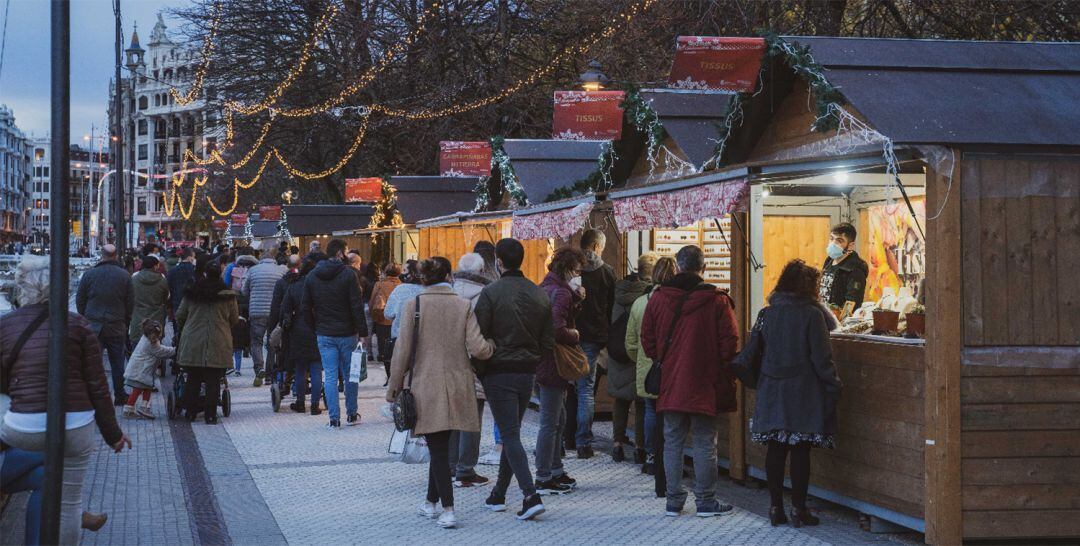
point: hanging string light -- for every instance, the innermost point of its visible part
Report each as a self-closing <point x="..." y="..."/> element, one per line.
<point x="337" y="167"/>
<point x="200" y="72"/>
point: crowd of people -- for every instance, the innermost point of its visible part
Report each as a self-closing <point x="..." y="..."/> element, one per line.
<point x="458" y="338"/>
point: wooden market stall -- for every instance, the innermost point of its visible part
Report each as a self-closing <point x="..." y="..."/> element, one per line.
<point x="971" y="433"/>
<point x="454" y="235"/>
<point x="309" y="223"/>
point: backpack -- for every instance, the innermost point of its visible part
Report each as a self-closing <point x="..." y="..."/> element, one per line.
<point x="616" y="343"/>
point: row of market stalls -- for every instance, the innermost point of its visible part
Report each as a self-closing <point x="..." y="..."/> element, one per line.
<point x="959" y="164"/>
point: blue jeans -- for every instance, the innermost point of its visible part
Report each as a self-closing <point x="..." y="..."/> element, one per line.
<point x="303" y="370"/>
<point x="549" y="440"/>
<point x="237" y="358"/>
<point x="25" y="471"/>
<point x="336" y="355"/>
<point x="586" y="401"/>
<point x="116" y="346"/>
<point x="650" y="424"/>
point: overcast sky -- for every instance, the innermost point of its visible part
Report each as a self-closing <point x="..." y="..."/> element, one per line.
<point x="24" y="83"/>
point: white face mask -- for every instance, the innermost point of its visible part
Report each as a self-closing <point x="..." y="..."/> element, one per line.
<point x="575" y="283"/>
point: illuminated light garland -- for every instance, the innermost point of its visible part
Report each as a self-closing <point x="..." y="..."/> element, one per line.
<point x="386" y="213"/>
<point x="530" y="80"/>
<point x="216" y="158"/>
<point x="368" y="76"/>
<point x="340" y="164"/>
<point x="200" y="73"/>
<point x="305" y="55"/>
<point x="237" y="184"/>
<point x="176" y="201"/>
<point x="235" y="201"/>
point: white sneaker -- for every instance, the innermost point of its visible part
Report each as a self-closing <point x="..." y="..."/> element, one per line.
<point x="491" y="458"/>
<point x="447" y="520"/>
<point x="427" y="509"/>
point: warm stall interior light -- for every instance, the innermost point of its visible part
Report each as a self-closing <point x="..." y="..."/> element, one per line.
<point x="765" y="192"/>
<point x="840" y="177"/>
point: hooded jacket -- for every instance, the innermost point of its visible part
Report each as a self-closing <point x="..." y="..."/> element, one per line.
<point x="565" y="306"/>
<point x="516" y="315"/>
<point x="798" y="388"/>
<point x="599" y="281"/>
<point x="151" y="296"/>
<point x="258" y="286"/>
<point x="627" y="291"/>
<point x="696" y="376"/>
<point x="469" y="285"/>
<point x="104" y="297"/>
<point x="332" y="300"/>
<point x="206" y="319"/>
<point x="299" y="342"/>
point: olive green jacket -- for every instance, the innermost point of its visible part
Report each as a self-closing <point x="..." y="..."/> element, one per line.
<point x="151" y="296"/>
<point x="633" y="344"/>
<point x="206" y="330"/>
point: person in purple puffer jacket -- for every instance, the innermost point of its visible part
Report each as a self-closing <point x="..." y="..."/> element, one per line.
<point x="566" y="264"/>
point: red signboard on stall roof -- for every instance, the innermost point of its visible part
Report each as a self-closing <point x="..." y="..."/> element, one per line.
<point x="712" y="62"/>
<point x="464" y="158"/>
<point x="221" y="225"/>
<point x="239" y="219"/>
<point x="358" y="190"/>
<point x="270" y="212"/>
<point x="588" y="115"/>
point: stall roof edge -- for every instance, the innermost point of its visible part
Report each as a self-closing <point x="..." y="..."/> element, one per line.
<point x="463" y="218"/>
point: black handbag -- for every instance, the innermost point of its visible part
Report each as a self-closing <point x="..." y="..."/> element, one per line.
<point x="405" y="402"/>
<point x="652" y="379"/>
<point x="747" y="364"/>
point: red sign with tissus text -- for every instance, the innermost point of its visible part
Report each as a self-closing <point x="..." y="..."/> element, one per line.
<point x="588" y="115"/>
<point x="715" y="63"/>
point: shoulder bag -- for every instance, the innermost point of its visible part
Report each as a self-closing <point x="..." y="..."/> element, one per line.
<point x="652" y="379"/>
<point x="405" y="402"/>
<point x="747" y="364"/>
<point x="570" y="362"/>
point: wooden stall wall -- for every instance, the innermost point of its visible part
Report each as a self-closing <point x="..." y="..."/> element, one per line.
<point x="790" y="237"/>
<point x="878" y="458"/>
<point x="1020" y="385"/>
<point x="451" y="243"/>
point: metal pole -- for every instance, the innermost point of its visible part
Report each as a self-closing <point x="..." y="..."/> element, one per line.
<point x="117" y="146"/>
<point x="58" y="271"/>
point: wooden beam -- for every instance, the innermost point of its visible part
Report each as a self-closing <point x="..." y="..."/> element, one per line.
<point x="943" y="507"/>
<point x="740" y="295"/>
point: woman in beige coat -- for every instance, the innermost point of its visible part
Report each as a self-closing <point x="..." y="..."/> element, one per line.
<point x="442" y="381"/>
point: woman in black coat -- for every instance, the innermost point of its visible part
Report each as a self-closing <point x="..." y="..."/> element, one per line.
<point x="798" y="387"/>
<point x="299" y="338"/>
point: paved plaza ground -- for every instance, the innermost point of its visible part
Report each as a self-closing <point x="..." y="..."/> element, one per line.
<point x="266" y="478"/>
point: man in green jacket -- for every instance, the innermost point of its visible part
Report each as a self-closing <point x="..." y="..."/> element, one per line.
<point x="151" y="295"/>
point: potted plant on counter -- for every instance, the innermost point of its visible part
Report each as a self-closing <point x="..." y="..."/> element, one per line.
<point x="886" y="321"/>
<point x="916" y="322"/>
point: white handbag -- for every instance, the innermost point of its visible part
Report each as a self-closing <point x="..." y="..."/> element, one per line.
<point x="416" y="450"/>
<point x="358" y="365"/>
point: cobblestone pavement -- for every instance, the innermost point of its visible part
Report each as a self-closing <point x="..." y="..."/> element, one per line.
<point x="281" y="478"/>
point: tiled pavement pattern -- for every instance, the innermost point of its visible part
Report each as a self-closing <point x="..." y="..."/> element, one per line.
<point x="283" y="478"/>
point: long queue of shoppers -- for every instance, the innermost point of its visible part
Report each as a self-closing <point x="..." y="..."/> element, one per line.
<point x="465" y="340"/>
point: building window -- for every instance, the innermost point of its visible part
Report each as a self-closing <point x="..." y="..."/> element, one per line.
<point x="144" y="103"/>
<point x="142" y="151"/>
<point x="39" y="153"/>
<point x="140" y="207"/>
<point x="142" y="126"/>
<point x="157" y="100"/>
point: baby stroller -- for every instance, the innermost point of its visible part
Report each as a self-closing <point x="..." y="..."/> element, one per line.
<point x="280" y="384"/>
<point x="174" y="400"/>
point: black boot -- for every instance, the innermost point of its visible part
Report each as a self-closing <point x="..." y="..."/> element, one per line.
<point x="386" y="365"/>
<point x="776" y="516"/>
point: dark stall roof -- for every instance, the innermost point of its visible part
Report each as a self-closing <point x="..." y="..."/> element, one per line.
<point x="422" y="197"/>
<point x="690" y="118"/>
<point x="956" y="92"/>
<point x="259" y="229"/>
<point x="326" y="219"/>
<point x="542" y="166"/>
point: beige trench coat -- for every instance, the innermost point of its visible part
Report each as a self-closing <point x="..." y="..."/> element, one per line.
<point x="443" y="380"/>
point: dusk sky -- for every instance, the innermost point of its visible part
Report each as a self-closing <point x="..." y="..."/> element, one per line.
<point x="24" y="83"/>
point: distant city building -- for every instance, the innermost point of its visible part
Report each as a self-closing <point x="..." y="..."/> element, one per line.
<point x="14" y="179"/>
<point x="88" y="199"/>
<point x="158" y="130"/>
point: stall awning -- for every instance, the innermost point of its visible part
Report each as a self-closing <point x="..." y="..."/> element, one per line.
<point x="682" y="202"/>
<point x="560" y="219"/>
<point x="465" y="218"/>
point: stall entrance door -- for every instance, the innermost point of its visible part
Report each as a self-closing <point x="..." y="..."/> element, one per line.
<point x="790" y="237"/>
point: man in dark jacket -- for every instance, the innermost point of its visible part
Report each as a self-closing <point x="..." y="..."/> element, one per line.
<point x="689" y="327"/>
<point x="598" y="279"/>
<point x="843" y="277"/>
<point x="181" y="277"/>
<point x="516" y="314"/>
<point x="300" y="348"/>
<point x="106" y="299"/>
<point x="332" y="300"/>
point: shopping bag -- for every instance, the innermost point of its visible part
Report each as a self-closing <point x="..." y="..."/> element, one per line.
<point x="358" y="365"/>
<point x="416" y="450"/>
<point x="397" y="442"/>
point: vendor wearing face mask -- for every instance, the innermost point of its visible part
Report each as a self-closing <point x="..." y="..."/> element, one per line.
<point x="843" y="277"/>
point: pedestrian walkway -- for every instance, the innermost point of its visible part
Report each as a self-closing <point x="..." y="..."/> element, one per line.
<point x="282" y="478"/>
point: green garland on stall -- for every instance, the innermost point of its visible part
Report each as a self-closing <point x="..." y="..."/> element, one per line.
<point x="501" y="161"/>
<point x="798" y="58"/>
<point x="482" y="195"/>
<point x="598" y="180"/>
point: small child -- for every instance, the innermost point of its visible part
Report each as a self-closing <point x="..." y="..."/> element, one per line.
<point x="139" y="374"/>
